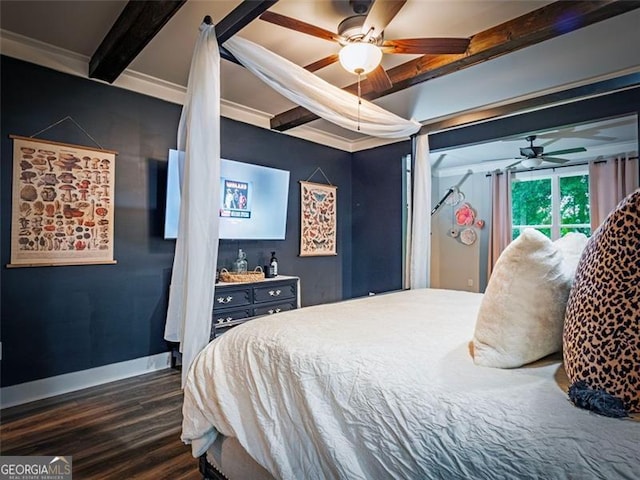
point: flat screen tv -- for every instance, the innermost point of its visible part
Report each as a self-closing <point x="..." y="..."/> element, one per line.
<point x="253" y="200"/>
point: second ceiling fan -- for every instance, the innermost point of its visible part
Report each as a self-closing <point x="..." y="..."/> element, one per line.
<point x="533" y="155"/>
<point x="362" y="39"/>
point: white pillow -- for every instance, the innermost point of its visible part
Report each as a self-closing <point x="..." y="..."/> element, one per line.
<point x="571" y="247"/>
<point x="521" y="316"/>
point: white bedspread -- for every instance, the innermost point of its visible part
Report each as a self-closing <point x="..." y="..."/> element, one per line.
<point x="384" y="387"/>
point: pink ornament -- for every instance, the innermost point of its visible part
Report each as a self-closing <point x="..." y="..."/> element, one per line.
<point x="465" y="215"/>
<point x="480" y="223"/>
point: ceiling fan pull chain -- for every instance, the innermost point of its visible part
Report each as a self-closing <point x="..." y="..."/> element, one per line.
<point x="359" y="101"/>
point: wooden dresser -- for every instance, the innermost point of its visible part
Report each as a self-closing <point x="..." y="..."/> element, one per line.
<point x="236" y="303"/>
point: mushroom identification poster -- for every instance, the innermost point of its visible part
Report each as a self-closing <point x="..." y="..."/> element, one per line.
<point x="62" y="208"/>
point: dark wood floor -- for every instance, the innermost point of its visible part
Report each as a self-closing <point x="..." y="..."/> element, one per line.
<point x="123" y="430"/>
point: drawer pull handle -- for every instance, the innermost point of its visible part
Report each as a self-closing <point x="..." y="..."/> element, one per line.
<point x="276" y="310"/>
<point x="224" y="300"/>
<point x="275" y="293"/>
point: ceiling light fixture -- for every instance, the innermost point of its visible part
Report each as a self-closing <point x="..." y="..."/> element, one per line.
<point x="360" y="58"/>
<point x="531" y="162"/>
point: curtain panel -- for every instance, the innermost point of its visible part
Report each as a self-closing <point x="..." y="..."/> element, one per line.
<point x="420" y="253"/>
<point x="194" y="265"/>
<point x="500" y="234"/>
<point x="609" y="183"/>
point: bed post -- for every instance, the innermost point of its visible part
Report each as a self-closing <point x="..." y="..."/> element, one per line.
<point x="208" y="471"/>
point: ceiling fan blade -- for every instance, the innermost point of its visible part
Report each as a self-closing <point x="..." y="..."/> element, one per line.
<point x="567" y="151"/>
<point x="554" y="159"/>
<point x="323" y="62"/>
<point x="512" y="165"/>
<point x="299" y="26"/>
<point x="379" y="79"/>
<point x="379" y="16"/>
<point x="426" y="46"/>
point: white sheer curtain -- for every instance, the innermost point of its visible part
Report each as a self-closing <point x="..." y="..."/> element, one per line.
<point x="609" y="183"/>
<point x="420" y="261"/>
<point x="500" y="234"/>
<point x="194" y="264"/>
<point x="318" y="96"/>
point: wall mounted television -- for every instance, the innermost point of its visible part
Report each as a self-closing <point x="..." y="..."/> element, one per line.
<point x="253" y="200"/>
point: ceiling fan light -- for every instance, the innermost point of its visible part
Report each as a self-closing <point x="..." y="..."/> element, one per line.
<point x="531" y="162"/>
<point x="360" y="57"/>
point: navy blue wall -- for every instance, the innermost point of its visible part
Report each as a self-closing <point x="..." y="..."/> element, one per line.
<point x="321" y="278"/>
<point x="63" y="319"/>
<point x="377" y="219"/>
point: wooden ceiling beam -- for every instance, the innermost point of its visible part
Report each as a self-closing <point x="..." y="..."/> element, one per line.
<point x="543" y="24"/>
<point x="138" y="23"/>
<point x="240" y="17"/>
<point x="141" y="20"/>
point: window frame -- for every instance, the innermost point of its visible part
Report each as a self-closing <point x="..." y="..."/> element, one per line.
<point x="554" y="174"/>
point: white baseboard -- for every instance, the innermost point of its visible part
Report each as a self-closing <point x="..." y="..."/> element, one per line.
<point x="70" y="382"/>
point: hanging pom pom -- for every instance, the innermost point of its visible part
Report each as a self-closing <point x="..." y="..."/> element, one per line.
<point x="596" y="400"/>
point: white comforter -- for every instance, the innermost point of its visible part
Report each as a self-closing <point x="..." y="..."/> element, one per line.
<point x="384" y="387"/>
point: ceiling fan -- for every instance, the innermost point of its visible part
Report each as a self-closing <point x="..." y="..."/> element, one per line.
<point x="362" y="39"/>
<point x="533" y="155"/>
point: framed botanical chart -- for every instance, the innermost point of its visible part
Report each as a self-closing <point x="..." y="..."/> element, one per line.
<point x="317" y="219"/>
<point x="62" y="204"/>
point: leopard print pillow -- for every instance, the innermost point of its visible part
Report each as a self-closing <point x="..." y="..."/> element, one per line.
<point x="601" y="337"/>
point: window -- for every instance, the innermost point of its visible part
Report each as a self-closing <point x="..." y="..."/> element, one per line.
<point x="554" y="203"/>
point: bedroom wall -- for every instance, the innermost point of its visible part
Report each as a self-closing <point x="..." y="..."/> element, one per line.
<point x="56" y="320"/>
<point x="376" y="264"/>
<point x="460" y="266"/>
<point x="322" y="279"/>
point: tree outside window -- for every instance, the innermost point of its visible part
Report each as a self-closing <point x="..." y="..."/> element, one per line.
<point x="552" y="203"/>
<point x="574" y="205"/>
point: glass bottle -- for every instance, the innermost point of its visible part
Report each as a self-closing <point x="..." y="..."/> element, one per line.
<point x="241" y="262"/>
<point x="273" y="265"/>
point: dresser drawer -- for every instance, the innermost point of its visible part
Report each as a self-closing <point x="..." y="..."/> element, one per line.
<point x="227" y="297"/>
<point x="222" y="321"/>
<point x="274" y="292"/>
<point x="221" y="317"/>
<point x="276" y="308"/>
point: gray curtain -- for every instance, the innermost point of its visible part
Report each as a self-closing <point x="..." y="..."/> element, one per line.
<point x="500" y="234"/>
<point x="610" y="182"/>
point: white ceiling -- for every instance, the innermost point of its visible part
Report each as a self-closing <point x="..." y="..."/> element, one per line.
<point x="64" y="35"/>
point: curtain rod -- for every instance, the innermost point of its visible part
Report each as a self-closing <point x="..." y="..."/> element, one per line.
<point x="557" y="166"/>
